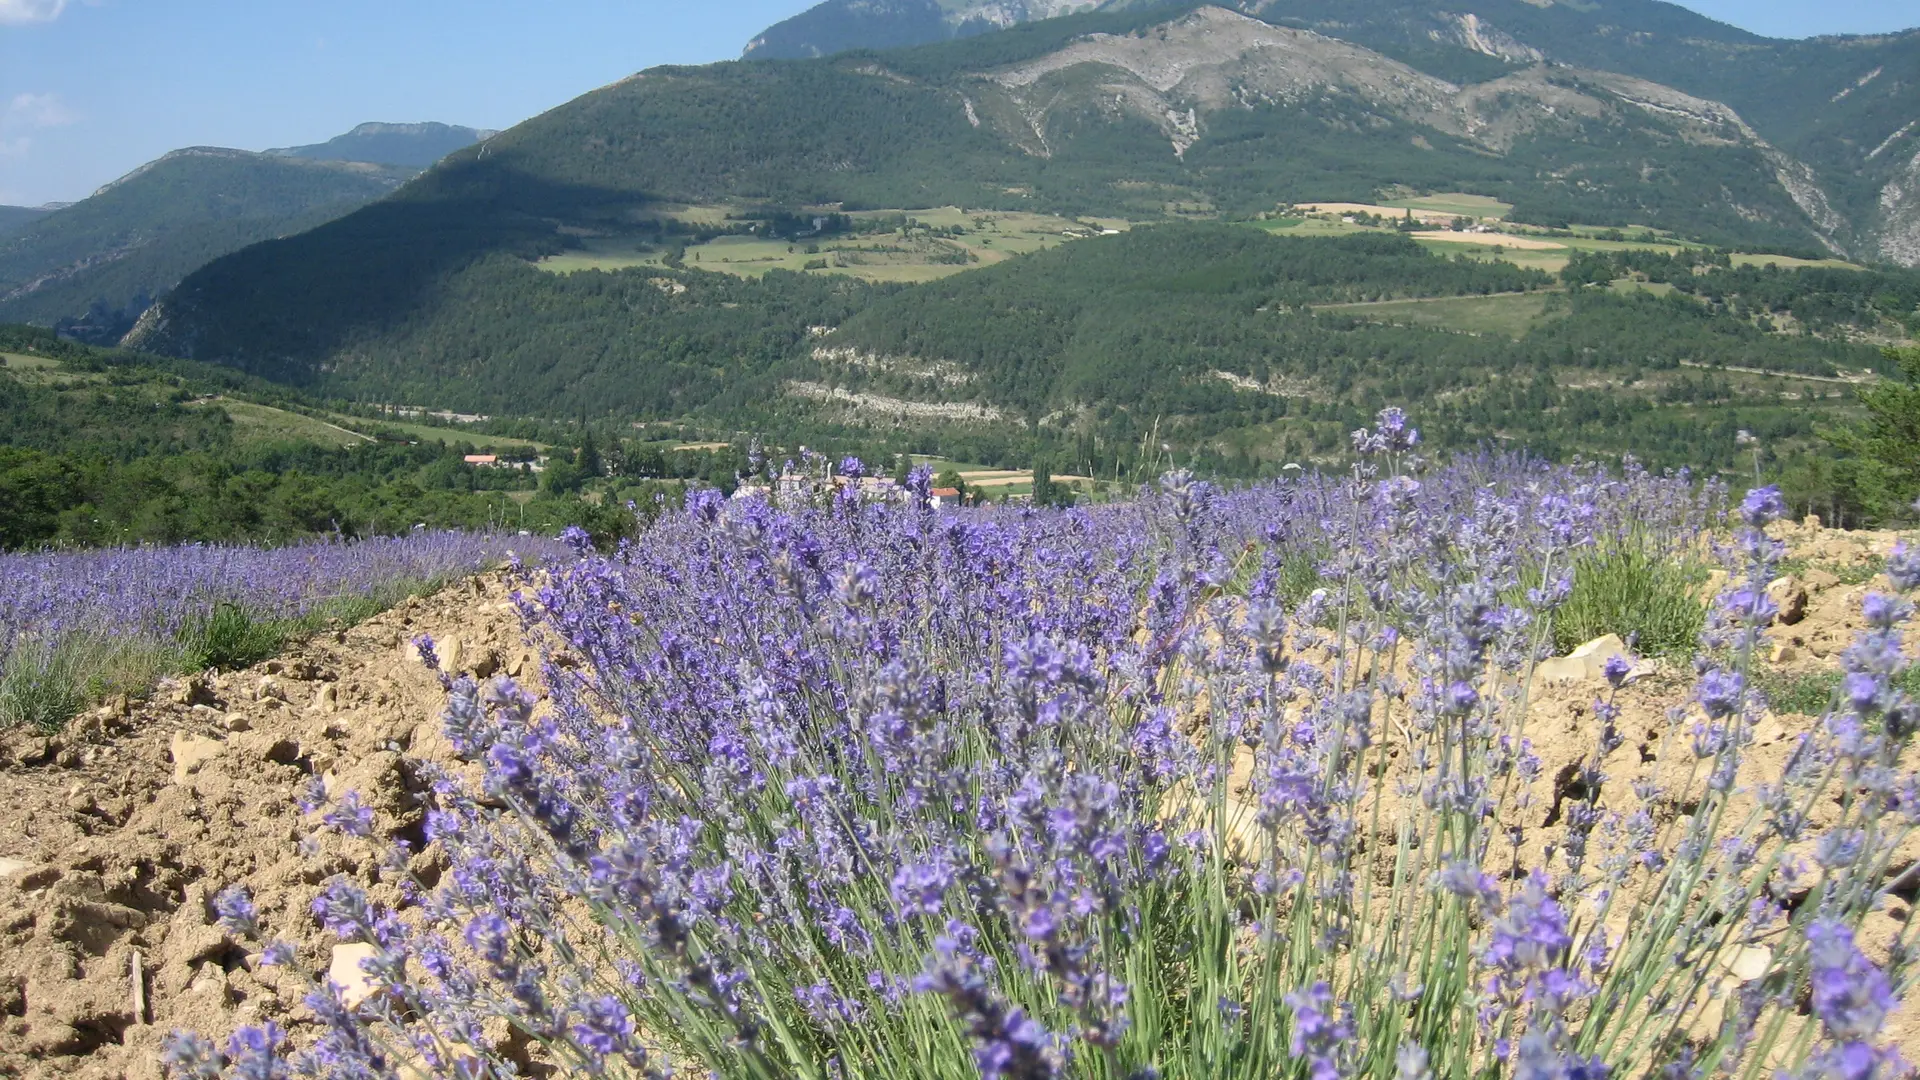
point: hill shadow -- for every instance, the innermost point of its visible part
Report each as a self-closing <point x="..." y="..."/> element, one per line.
<point x="281" y="308"/>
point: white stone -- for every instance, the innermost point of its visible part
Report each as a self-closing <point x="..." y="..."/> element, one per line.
<point x="344" y="969"/>
<point x="1749" y="962"/>
<point x="1588" y="663"/>
<point x="13" y="868"/>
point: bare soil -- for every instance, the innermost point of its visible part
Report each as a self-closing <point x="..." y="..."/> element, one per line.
<point x="119" y="831"/>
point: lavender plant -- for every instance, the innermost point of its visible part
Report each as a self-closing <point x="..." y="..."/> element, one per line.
<point x="75" y="625"/>
<point x="866" y="790"/>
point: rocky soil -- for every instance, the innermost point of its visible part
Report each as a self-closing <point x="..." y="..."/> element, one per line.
<point x="120" y="829"/>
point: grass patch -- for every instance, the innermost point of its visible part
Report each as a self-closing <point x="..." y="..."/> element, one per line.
<point x="264" y="423"/>
<point x="1812" y="693"/>
<point x="1651" y="600"/>
<point x="45" y="686"/>
<point x="1849" y="573"/>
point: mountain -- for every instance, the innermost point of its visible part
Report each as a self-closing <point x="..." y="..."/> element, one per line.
<point x="1841" y="110"/>
<point x="94" y="265"/>
<point x="839" y="25"/>
<point x="432" y="293"/>
<point x="15" y="218"/>
<point x="410" y="145"/>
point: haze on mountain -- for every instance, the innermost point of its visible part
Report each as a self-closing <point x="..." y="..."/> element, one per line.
<point x="91" y="267"/>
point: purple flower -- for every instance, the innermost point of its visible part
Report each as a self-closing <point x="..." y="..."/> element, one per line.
<point x="252" y="1053"/>
<point x="1322" y="1032"/>
<point x="235" y="912"/>
<point x="921" y="888"/>
<point x="351" y="817"/>
<point x="1763" y="506"/>
<point x="1532" y="935"/>
<point x="1721" y="693"/>
<point x="1903" y="566"/>
<point x="604" y="1026"/>
<point x="1851" y="996"/>
<point x="423" y="644"/>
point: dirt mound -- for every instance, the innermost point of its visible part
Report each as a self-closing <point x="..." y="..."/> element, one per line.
<point x="121" y="829"/>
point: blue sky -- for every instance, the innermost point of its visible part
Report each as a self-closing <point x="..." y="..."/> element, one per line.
<point x="89" y="89"/>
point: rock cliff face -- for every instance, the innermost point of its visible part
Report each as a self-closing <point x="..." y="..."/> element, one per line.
<point x="1214" y="59"/>
<point x="1900" y="214"/>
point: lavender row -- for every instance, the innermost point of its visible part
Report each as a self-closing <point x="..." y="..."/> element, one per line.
<point x="122" y="615"/>
<point x="867" y="790"/>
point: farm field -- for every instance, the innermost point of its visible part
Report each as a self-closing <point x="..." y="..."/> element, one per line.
<point x="1456" y="203"/>
<point x="433" y="433"/>
<point x="1047" y="608"/>
<point x="984" y="238"/>
<point x="264" y="423"/>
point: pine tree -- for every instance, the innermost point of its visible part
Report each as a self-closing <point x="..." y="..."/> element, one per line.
<point x="1880" y="469"/>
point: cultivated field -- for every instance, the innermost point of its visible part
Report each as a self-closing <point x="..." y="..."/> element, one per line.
<point x="921" y="252"/>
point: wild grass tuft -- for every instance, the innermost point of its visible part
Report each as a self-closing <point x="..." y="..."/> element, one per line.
<point x="1651" y="599"/>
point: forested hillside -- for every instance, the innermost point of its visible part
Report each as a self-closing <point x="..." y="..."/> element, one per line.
<point x="15" y="218"/>
<point x="1225" y="337"/>
<point x="1064" y="115"/>
<point x="94" y="266"/>
<point x="1843" y="108"/>
<point x="1244" y="348"/>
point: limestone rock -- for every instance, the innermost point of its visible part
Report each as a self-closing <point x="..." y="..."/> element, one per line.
<point x="344" y="969"/>
<point x="1585" y="664"/>
<point x="190" y="752"/>
<point x="326" y="699"/>
<point x="1791" y="597"/>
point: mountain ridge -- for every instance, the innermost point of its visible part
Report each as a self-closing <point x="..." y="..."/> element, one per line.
<point x="414" y="145"/>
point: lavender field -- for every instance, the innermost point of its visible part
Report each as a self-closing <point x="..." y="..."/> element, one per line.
<point x="1210" y="784"/>
<point x="78" y="625"/>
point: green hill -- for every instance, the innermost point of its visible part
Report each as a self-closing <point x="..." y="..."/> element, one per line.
<point x="92" y="267"/>
<point x="106" y="446"/>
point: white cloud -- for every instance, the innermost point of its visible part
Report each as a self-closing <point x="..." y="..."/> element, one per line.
<point x="32" y="111"/>
<point x="17" y="12"/>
